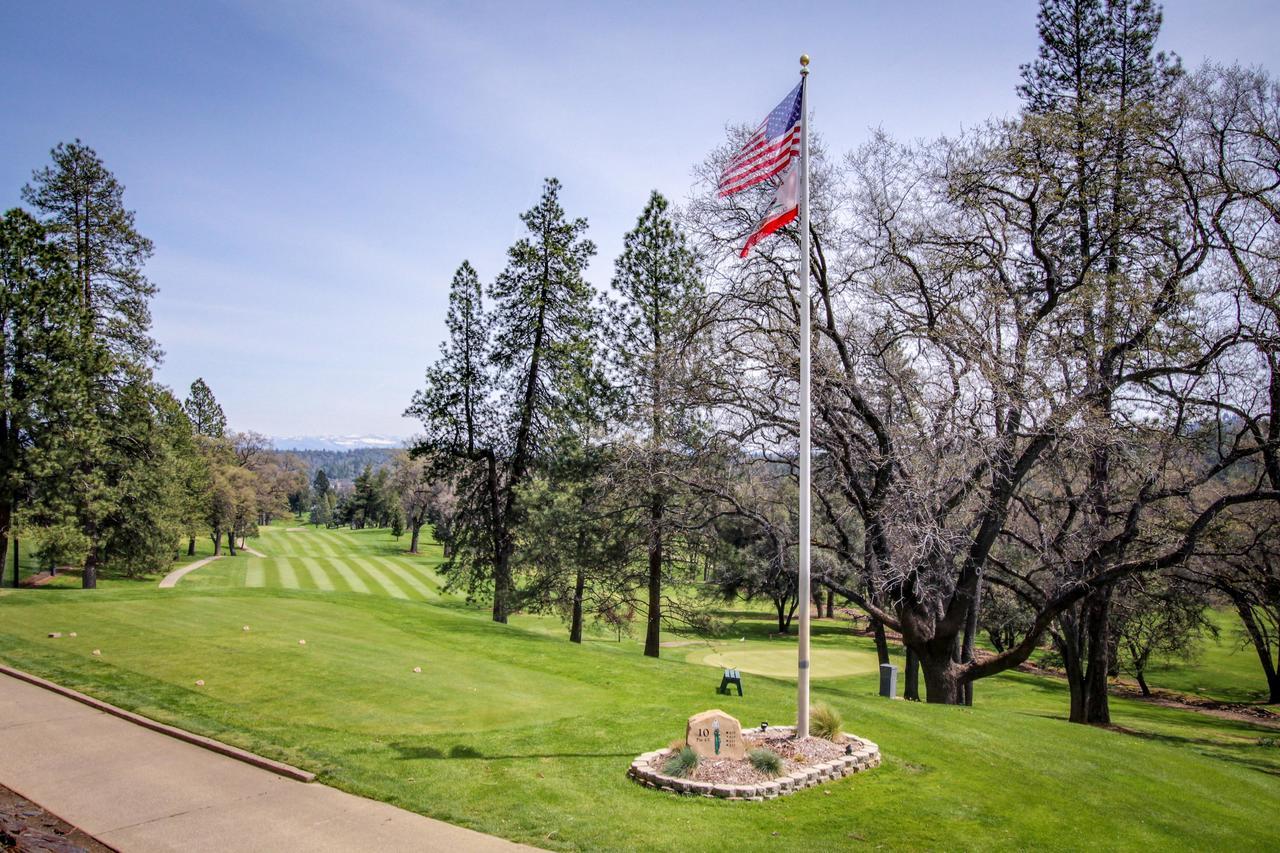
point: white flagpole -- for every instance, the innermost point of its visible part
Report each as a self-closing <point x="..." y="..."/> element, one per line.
<point x="802" y="680"/>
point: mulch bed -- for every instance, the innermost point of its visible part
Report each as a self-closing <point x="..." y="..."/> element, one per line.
<point x="27" y="827"/>
<point x="796" y="754"/>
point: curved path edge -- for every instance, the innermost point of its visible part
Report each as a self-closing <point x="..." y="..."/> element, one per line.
<point x="277" y="767"/>
<point x="171" y="579"/>
<point x="123" y="780"/>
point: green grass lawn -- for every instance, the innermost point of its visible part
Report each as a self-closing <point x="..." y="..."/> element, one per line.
<point x="1225" y="668"/>
<point x="320" y="559"/>
<point x="513" y="730"/>
<point x="71" y="578"/>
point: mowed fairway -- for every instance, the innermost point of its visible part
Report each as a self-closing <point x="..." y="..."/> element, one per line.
<point x="362" y="561"/>
<point x="519" y="733"/>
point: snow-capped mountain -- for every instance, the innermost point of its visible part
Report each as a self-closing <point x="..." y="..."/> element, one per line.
<point x="335" y="442"/>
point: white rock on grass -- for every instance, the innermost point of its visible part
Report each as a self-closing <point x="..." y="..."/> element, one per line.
<point x="199" y="682"/>
<point x="417" y="669"/>
<point x="97" y="651"/>
<point x="72" y="634"/>
<point x="245" y="628"/>
<point x="302" y="642"/>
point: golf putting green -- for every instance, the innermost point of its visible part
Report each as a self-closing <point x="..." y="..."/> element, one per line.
<point x="780" y="662"/>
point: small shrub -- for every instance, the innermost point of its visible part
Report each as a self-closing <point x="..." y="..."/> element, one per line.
<point x="825" y="722"/>
<point x="682" y="764"/>
<point x="766" y="761"/>
<point x="1269" y="741"/>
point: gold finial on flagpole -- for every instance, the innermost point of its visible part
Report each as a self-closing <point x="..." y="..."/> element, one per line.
<point x="804" y="60"/>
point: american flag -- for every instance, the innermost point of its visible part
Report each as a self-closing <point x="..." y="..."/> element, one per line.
<point x="769" y="150"/>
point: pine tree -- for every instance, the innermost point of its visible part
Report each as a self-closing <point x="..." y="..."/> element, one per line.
<point x="202" y="408"/>
<point x="654" y="339"/>
<point x="320" y="485"/>
<point x="39" y="318"/>
<point x="82" y="204"/>
<point x="1096" y="110"/>
<point x="105" y="430"/>
<point x="545" y="323"/>
<point x="508" y="382"/>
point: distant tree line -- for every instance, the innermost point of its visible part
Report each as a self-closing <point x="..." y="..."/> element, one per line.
<point x="342" y="464"/>
<point x="1046" y="384"/>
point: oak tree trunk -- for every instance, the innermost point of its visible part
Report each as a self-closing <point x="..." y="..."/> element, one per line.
<point x="882" y="642"/>
<point x="941" y="677"/>
<point x="1269" y="667"/>
<point x="911" y="682"/>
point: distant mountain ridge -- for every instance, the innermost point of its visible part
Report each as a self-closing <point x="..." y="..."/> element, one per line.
<point x="337" y="442"/>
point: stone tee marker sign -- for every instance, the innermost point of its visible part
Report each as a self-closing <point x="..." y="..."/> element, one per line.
<point x="714" y="734"/>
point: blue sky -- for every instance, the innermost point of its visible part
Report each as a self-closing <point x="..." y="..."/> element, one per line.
<point x="313" y="172"/>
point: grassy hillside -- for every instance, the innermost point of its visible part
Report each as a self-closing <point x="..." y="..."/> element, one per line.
<point x="512" y="730"/>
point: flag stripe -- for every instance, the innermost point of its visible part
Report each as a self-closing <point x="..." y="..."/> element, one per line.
<point x="766" y="159"/>
<point x="776" y="161"/>
<point x="767" y="228"/>
<point x="760" y="171"/>
<point x="773" y="145"/>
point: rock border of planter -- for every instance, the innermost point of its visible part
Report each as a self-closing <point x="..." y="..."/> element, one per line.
<point x="646" y="770"/>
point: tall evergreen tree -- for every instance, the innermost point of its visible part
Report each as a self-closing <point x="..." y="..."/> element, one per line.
<point x="1097" y="95"/>
<point x="498" y="394"/>
<point x="82" y="204"/>
<point x="38" y="322"/>
<point x="204" y="411"/>
<point x="653" y="344"/>
<point x="545" y="322"/>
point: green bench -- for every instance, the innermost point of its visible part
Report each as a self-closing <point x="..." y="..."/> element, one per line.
<point x="730" y="678"/>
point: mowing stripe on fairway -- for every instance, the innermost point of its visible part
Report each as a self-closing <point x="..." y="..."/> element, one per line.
<point x="318" y="575"/>
<point x="420" y="570"/>
<point x="320" y="545"/>
<point x="382" y="580"/>
<point x="353" y="580"/>
<point x="254" y="575"/>
<point x="408" y="577"/>
<point x="288" y="577"/>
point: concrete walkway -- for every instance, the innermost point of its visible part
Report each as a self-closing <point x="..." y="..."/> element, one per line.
<point x="171" y="579"/>
<point x="138" y="790"/>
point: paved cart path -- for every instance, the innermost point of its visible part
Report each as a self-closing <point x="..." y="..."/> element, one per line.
<point x="171" y="579"/>
<point x="139" y="790"/>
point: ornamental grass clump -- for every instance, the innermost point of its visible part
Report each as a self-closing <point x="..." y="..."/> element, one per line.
<point x="825" y="722"/>
<point x="682" y="764"/>
<point x="766" y="761"/>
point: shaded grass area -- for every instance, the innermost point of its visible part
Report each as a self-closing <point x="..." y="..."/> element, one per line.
<point x="522" y="734"/>
<point x="1225" y="668"/>
<point x="108" y="576"/>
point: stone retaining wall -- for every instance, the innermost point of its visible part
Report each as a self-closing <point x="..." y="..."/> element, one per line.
<point x="647" y="770"/>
